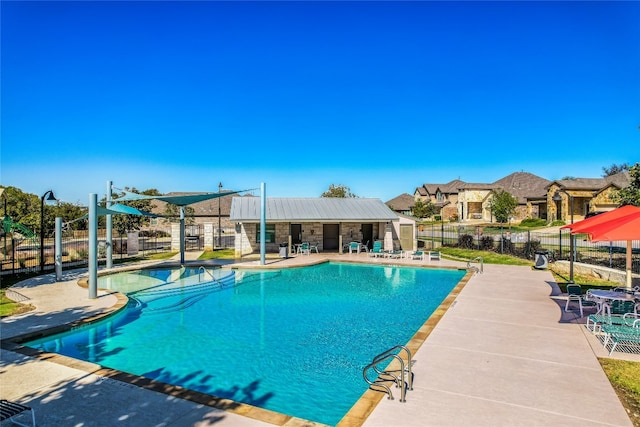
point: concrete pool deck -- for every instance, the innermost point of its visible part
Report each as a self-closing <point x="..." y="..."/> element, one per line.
<point x="503" y="354"/>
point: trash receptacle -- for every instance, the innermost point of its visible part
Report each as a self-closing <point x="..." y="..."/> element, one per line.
<point x="284" y="250"/>
<point x="541" y="259"/>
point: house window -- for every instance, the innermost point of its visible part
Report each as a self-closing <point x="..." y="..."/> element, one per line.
<point x="439" y="197"/>
<point x="270" y="233"/>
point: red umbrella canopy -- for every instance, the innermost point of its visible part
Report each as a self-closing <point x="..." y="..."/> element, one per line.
<point x="605" y="218"/>
<point x="619" y="224"/>
<point x="624" y="228"/>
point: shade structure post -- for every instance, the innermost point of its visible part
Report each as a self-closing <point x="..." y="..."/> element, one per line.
<point x="93" y="246"/>
<point x="109" y="226"/>
<point x="628" y="281"/>
<point x="263" y="222"/>
<point x="58" y="249"/>
<point x="181" y="235"/>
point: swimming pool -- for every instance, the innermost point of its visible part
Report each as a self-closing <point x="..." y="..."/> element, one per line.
<point x="293" y="341"/>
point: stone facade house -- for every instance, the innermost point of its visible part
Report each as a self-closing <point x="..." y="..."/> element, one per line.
<point x="584" y="195"/>
<point x="443" y="196"/>
<point x="537" y="197"/>
<point x="328" y="222"/>
<point x="472" y="201"/>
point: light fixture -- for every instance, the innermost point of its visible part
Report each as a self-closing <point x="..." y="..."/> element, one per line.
<point x="557" y="198"/>
<point x="49" y="197"/>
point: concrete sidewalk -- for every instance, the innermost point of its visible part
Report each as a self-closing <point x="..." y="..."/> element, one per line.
<point x="504" y="354"/>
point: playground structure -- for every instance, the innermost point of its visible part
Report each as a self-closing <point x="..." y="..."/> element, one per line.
<point x="15" y="235"/>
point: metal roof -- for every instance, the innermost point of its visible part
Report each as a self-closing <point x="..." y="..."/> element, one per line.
<point x="326" y="209"/>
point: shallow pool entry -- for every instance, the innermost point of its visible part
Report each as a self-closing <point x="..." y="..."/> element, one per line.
<point x="293" y="341"/>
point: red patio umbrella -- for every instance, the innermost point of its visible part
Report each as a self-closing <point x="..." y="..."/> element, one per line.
<point x="619" y="224"/>
<point x="603" y="218"/>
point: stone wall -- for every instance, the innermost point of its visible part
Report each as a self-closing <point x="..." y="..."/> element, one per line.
<point x="602" y="272"/>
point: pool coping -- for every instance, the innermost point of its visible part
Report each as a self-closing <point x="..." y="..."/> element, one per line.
<point x="355" y="417"/>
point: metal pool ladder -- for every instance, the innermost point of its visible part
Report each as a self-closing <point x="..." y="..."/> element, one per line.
<point x="474" y="268"/>
<point x="202" y="271"/>
<point x="402" y="377"/>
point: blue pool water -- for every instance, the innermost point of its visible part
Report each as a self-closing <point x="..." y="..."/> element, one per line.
<point x="293" y="341"/>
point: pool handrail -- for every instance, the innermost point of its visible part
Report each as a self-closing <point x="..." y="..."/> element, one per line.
<point x="398" y="379"/>
<point x="203" y="270"/>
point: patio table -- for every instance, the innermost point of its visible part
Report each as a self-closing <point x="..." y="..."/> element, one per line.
<point x="604" y="295"/>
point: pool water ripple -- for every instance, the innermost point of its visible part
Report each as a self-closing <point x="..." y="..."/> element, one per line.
<point x="293" y="341"/>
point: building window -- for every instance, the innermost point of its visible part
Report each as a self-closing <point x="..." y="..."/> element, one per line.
<point x="439" y="196"/>
<point x="270" y="233"/>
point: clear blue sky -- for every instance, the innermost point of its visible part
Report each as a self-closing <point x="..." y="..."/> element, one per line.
<point x="378" y="96"/>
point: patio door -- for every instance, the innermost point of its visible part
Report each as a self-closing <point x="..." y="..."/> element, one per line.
<point x="296" y="233"/>
<point x="367" y="234"/>
<point x="406" y="237"/>
<point x="330" y="233"/>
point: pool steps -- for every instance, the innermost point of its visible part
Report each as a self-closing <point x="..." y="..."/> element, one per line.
<point x="402" y="377"/>
<point x="196" y="285"/>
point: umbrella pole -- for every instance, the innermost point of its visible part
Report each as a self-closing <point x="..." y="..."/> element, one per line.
<point x="629" y="283"/>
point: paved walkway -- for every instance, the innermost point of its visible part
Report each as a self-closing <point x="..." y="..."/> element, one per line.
<point x="504" y="354"/>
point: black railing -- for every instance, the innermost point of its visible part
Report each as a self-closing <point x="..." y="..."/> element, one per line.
<point x="523" y="244"/>
<point x="23" y="255"/>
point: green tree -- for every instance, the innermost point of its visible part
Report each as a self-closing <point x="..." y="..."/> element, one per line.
<point x="423" y="209"/>
<point x="503" y="205"/>
<point x="23" y="208"/>
<point x="614" y="169"/>
<point x="124" y="223"/>
<point x="338" y="191"/>
<point x="173" y="211"/>
<point x="630" y="195"/>
<point x="70" y="214"/>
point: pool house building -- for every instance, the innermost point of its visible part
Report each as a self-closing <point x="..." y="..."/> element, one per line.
<point x="328" y="223"/>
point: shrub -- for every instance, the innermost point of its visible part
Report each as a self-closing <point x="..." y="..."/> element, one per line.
<point x="154" y="233"/>
<point x="506" y="246"/>
<point x="533" y="222"/>
<point x="556" y="223"/>
<point x="486" y="243"/>
<point x="465" y="241"/>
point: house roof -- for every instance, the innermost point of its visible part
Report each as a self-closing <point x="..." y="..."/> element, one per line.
<point x="325" y="209"/>
<point x="619" y="180"/>
<point x="403" y="202"/>
<point x="523" y="186"/>
<point x="450" y="187"/>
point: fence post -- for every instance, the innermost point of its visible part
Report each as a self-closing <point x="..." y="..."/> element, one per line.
<point x="560" y="244"/>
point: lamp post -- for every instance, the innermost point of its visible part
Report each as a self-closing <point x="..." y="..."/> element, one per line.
<point x="49" y="198"/>
<point x="219" y="214"/>
<point x="557" y="197"/>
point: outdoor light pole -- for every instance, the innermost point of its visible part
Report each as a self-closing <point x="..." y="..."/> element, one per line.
<point x="571" y="236"/>
<point x="50" y="198"/>
<point x="219" y="221"/>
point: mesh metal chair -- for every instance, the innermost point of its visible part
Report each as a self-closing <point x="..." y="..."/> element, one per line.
<point x="574" y="293"/>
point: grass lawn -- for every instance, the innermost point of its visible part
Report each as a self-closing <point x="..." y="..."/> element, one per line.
<point x="625" y="378"/>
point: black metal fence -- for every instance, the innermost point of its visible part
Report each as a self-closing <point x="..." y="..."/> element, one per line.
<point x="525" y="244"/>
<point x="24" y="255"/>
